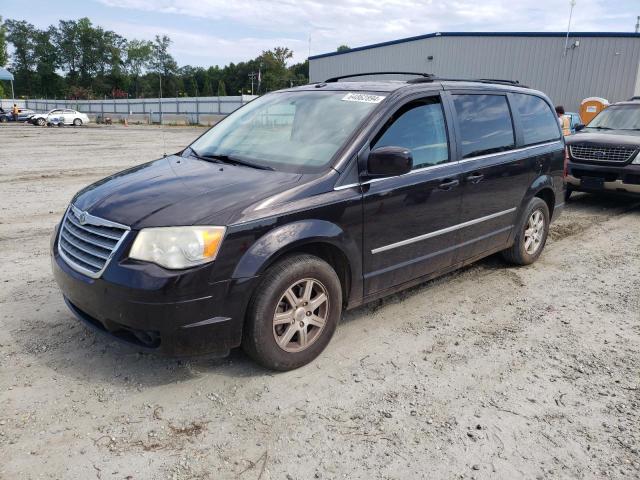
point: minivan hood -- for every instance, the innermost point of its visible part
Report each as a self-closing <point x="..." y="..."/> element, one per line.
<point x="621" y="138"/>
<point x="180" y="191"/>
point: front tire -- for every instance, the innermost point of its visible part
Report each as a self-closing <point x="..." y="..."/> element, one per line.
<point x="41" y="122"/>
<point x="294" y="313"/>
<point x="77" y="122"/>
<point x="531" y="234"/>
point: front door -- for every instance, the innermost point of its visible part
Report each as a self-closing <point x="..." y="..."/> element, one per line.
<point x="409" y="220"/>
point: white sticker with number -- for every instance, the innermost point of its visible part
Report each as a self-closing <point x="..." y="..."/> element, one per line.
<point x="362" y="97"/>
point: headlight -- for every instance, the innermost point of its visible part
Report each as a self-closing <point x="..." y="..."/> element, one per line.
<point x="177" y="247"/>
<point x="636" y="160"/>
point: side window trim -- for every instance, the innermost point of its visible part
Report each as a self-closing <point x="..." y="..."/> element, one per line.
<point x="401" y="103"/>
<point x="515" y="121"/>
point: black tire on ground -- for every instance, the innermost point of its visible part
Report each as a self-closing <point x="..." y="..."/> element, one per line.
<point x="60" y="124"/>
<point x="41" y="122"/>
<point x="521" y="252"/>
<point x="567" y="193"/>
<point x="259" y="336"/>
<point x="77" y="122"/>
<point x="4" y="119"/>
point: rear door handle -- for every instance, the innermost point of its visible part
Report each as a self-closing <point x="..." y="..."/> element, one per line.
<point x="449" y="184"/>
<point x="474" y="178"/>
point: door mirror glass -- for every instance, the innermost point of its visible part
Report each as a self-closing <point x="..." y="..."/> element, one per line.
<point x="389" y="161"/>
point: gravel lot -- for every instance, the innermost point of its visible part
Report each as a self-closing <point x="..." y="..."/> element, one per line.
<point x="490" y="372"/>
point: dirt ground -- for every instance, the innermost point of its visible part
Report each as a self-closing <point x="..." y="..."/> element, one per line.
<point x="492" y="372"/>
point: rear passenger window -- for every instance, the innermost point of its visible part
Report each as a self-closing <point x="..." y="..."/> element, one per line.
<point x="485" y="124"/>
<point x="420" y="127"/>
<point x="539" y="123"/>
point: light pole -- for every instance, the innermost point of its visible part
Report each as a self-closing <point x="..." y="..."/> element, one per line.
<point x="252" y="76"/>
<point x="566" y="41"/>
<point x="160" y="99"/>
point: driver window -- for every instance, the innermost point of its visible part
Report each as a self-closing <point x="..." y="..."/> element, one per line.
<point x="420" y="127"/>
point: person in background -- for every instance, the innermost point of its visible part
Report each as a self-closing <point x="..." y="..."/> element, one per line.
<point x="14" y="112"/>
<point x="563" y="120"/>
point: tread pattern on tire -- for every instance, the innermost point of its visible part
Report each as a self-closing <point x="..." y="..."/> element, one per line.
<point x="515" y="254"/>
<point x="252" y="342"/>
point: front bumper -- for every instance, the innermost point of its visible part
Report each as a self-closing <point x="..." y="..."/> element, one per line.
<point x="594" y="178"/>
<point x="155" y="310"/>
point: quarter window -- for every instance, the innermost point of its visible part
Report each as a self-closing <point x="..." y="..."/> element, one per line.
<point x="420" y="127"/>
<point x="485" y="124"/>
<point x="539" y="123"/>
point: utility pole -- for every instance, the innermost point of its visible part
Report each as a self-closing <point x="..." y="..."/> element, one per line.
<point x="252" y="76"/>
<point x="566" y="42"/>
<point x="160" y="99"/>
<point x="638" y="24"/>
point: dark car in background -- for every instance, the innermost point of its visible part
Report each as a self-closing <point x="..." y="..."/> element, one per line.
<point x="24" y="114"/>
<point x="304" y="203"/>
<point x="603" y="156"/>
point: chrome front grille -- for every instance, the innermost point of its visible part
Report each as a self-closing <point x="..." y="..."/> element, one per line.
<point x="87" y="243"/>
<point x="594" y="153"/>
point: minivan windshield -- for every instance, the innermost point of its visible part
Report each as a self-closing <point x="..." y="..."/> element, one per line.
<point x="288" y="131"/>
<point x="617" y="117"/>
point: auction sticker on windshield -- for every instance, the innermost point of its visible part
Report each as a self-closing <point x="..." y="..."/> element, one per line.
<point x="362" y="97"/>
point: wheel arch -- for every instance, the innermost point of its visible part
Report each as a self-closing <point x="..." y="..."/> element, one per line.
<point x="321" y="238"/>
<point x="541" y="187"/>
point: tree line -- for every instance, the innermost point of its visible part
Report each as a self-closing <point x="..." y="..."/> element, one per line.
<point x="79" y="60"/>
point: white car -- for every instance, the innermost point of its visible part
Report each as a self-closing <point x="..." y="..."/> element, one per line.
<point x="60" y="116"/>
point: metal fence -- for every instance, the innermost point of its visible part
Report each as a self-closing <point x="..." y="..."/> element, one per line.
<point x="154" y="110"/>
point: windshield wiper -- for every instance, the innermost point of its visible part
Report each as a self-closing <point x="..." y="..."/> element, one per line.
<point x="236" y="161"/>
<point x="219" y="158"/>
<point x="206" y="158"/>
<point x="601" y="128"/>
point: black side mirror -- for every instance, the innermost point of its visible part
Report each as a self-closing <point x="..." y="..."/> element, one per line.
<point x="389" y="161"/>
<point x="578" y="127"/>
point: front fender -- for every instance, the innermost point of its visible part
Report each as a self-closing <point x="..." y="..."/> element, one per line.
<point x="287" y="237"/>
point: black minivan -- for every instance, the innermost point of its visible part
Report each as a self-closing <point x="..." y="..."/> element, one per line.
<point x="304" y="203"/>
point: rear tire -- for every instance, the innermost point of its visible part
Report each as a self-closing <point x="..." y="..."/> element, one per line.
<point x="531" y="234"/>
<point x="294" y="313"/>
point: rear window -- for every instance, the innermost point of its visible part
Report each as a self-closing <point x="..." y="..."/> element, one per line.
<point x="539" y="122"/>
<point x="485" y="124"/>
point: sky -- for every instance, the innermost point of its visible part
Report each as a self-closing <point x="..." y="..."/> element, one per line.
<point x="214" y="32"/>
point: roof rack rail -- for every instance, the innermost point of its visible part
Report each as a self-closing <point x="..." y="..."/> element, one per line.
<point x="335" y="79"/>
<point x="501" y="81"/>
<point x="515" y="83"/>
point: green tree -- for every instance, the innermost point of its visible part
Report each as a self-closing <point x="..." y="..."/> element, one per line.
<point x="20" y="35"/>
<point x="49" y="82"/>
<point x="343" y="48"/>
<point x="139" y="54"/>
<point x="222" y="91"/>
<point x="163" y="63"/>
<point x="4" y="57"/>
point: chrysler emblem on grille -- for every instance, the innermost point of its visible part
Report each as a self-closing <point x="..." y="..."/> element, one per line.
<point x="82" y="218"/>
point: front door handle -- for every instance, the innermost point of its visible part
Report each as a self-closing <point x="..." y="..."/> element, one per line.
<point x="474" y="178"/>
<point x="449" y="184"/>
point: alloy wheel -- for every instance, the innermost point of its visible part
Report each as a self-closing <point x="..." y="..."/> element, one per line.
<point x="300" y="315"/>
<point x="534" y="232"/>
